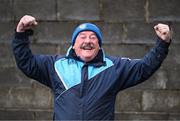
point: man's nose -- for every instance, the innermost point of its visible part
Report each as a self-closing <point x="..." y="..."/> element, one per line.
<point x="87" y="40"/>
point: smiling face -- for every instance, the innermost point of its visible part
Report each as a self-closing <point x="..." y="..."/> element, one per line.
<point x="86" y="45"/>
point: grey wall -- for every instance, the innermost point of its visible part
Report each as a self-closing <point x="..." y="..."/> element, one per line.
<point x="127" y="27"/>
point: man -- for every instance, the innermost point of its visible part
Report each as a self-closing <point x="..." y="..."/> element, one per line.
<point x="85" y="81"/>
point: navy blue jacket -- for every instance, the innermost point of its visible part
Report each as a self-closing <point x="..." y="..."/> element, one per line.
<point x="86" y="91"/>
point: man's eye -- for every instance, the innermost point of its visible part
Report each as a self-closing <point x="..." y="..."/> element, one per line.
<point x="93" y="37"/>
<point x="83" y="37"/>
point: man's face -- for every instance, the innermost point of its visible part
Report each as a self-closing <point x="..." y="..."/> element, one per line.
<point x="86" y="45"/>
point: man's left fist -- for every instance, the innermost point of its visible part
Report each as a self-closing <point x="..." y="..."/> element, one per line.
<point x="163" y="31"/>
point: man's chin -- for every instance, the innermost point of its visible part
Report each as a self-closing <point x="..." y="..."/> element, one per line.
<point x="88" y="52"/>
<point x="87" y="58"/>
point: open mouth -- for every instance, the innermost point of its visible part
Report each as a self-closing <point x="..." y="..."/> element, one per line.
<point x="88" y="47"/>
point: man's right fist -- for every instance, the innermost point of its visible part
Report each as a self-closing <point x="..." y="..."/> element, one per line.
<point x="26" y="22"/>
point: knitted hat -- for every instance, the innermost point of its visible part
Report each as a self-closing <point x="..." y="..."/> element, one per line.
<point x="87" y="27"/>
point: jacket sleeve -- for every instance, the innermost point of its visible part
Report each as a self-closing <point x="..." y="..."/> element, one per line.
<point x="33" y="66"/>
<point x="136" y="71"/>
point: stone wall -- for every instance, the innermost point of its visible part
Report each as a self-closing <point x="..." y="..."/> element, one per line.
<point x="127" y="27"/>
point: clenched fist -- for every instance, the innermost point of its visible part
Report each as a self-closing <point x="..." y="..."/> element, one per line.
<point x="163" y="31"/>
<point x="26" y="22"/>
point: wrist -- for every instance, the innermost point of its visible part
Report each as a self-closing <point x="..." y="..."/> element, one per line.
<point x="163" y="43"/>
<point x="22" y="34"/>
<point x="19" y="30"/>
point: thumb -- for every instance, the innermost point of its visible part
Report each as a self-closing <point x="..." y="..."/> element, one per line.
<point x="35" y="23"/>
<point x="157" y="30"/>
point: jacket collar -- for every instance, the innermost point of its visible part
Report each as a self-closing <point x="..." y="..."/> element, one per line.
<point x="99" y="60"/>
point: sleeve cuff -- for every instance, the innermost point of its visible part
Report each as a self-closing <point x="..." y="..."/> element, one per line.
<point x="21" y="35"/>
<point x="162" y="43"/>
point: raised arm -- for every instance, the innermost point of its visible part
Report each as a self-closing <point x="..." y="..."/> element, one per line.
<point x="139" y="70"/>
<point x="34" y="66"/>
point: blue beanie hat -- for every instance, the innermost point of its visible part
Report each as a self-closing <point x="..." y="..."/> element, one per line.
<point x="87" y="27"/>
